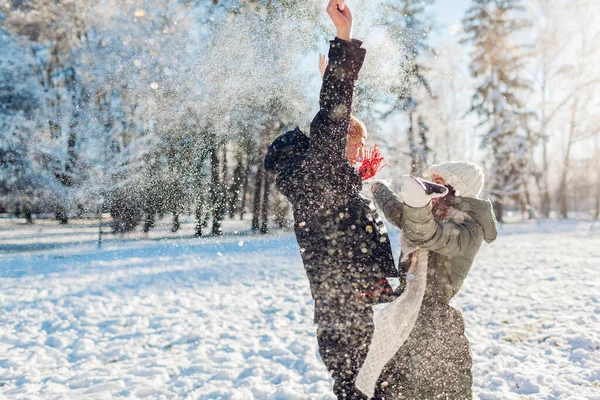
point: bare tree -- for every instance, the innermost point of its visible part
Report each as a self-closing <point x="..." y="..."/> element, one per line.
<point x="583" y="82"/>
<point x="555" y="84"/>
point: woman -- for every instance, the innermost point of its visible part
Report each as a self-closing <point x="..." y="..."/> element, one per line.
<point x="435" y="361"/>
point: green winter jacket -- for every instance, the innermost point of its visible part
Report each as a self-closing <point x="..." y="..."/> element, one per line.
<point x="453" y="244"/>
<point x="435" y="361"/>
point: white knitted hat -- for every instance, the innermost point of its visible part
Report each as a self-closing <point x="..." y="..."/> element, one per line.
<point x="465" y="177"/>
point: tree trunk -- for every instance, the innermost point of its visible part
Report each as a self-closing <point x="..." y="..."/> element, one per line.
<point x="597" y="143"/>
<point x="199" y="224"/>
<point x="543" y="185"/>
<point x="414" y="167"/>
<point x="218" y="205"/>
<point x="256" y="201"/>
<point x="546" y="205"/>
<point x="562" y="191"/>
<point x="224" y="178"/>
<point x="28" y="217"/>
<point x="176" y="225"/>
<point x="528" y="208"/>
<point x="234" y="190"/>
<point x="423" y="154"/>
<point x="149" y="222"/>
<point x="563" y="206"/>
<point x="202" y="215"/>
<point x="260" y="179"/>
<point x="264" y="228"/>
<point x="245" y="188"/>
<point x="597" y="213"/>
<point x="499" y="210"/>
<point x="61" y="215"/>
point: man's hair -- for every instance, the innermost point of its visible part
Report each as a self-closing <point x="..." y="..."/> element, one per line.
<point x="357" y="129"/>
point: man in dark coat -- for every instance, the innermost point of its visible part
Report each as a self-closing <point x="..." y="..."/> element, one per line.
<point x="343" y="243"/>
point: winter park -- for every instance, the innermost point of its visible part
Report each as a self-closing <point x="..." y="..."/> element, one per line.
<point x="300" y="199"/>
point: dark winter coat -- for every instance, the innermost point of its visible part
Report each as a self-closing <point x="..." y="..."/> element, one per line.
<point x="435" y="361"/>
<point x="343" y="243"/>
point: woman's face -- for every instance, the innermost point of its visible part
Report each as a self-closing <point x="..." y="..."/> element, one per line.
<point x="438" y="179"/>
<point x="355" y="149"/>
<point x="440" y="203"/>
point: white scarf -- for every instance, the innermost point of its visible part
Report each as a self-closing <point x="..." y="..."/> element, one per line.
<point x="395" y="322"/>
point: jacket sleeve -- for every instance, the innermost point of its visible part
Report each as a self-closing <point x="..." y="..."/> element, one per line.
<point x="451" y="239"/>
<point x="391" y="205"/>
<point x="329" y="128"/>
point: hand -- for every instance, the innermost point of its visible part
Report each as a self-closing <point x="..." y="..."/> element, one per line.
<point x="416" y="192"/>
<point x="341" y="17"/>
<point x="380" y="292"/>
<point x="322" y="64"/>
<point x="376" y="184"/>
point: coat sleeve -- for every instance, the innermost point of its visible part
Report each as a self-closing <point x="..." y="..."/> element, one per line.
<point x="391" y="205"/>
<point x="451" y="239"/>
<point x="329" y="128"/>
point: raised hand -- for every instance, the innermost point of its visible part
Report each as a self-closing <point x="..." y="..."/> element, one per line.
<point x="417" y="192"/>
<point x="341" y="16"/>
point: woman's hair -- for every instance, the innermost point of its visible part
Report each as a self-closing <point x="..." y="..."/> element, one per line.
<point x="357" y="129"/>
<point x="451" y="191"/>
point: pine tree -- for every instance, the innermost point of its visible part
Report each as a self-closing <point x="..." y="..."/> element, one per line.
<point x="57" y="29"/>
<point x="24" y="181"/>
<point x="490" y="26"/>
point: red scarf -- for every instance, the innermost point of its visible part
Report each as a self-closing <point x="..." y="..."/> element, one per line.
<point x="371" y="164"/>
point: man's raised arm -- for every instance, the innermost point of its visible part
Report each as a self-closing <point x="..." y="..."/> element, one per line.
<point x="329" y="128"/>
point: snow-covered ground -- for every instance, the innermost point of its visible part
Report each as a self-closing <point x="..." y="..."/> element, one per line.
<point x="231" y="317"/>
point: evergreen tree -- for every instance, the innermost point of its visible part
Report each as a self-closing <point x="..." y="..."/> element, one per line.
<point x="24" y="181"/>
<point x="55" y="30"/>
<point x="490" y="26"/>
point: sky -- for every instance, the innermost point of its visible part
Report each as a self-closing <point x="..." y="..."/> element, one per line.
<point x="448" y="13"/>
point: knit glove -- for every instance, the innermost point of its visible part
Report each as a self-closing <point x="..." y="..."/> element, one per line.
<point x="417" y="192"/>
<point x="376" y="184"/>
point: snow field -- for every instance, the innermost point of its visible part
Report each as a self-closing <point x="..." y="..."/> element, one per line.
<point x="231" y="318"/>
<point x="204" y="319"/>
<point x="532" y="310"/>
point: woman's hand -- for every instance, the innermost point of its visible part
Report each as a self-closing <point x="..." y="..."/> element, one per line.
<point x="417" y="192"/>
<point x="376" y="184"/>
<point x="322" y="64"/>
<point x="341" y="17"/>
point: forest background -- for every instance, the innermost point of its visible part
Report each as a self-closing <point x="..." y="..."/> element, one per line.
<point x="134" y="111"/>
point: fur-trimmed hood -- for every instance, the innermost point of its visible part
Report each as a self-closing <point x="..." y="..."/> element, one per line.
<point x="482" y="212"/>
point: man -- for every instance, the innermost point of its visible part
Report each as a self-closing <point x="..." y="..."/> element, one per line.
<point x="435" y="360"/>
<point x="343" y="243"/>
